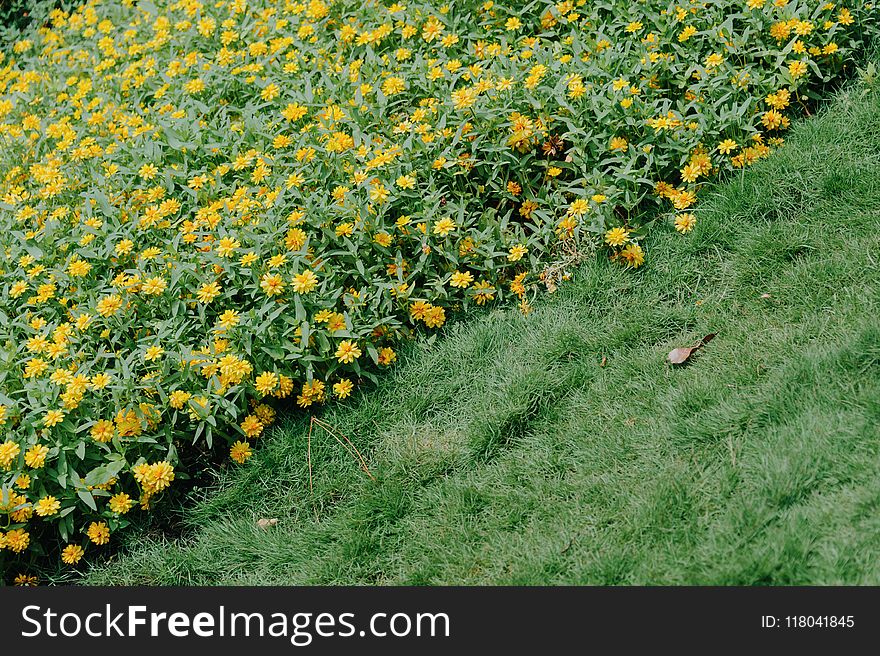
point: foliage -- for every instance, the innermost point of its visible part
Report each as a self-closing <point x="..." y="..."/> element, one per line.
<point x="206" y="206"/>
<point x="12" y="13"/>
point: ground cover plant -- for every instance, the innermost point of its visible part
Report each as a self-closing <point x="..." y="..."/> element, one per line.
<point x="560" y="448"/>
<point x="209" y="208"/>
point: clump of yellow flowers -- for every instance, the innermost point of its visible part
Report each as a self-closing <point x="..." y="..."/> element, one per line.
<point x="207" y="207"/>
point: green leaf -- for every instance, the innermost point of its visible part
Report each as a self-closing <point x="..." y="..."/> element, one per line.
<point x="87" y="498"/>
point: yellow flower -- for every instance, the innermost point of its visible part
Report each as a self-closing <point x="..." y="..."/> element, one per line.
<point x="228" y="319"/>
<point x="343" y="388"/>
<point x="578" y="207"/>
<point x="109" y="305"/>
<point x="295" y="239"/>
<point x="516" y="253"/>
<point x="266" y="382"/>
<point x="797" y="69"/>
<point x="148" y="171"/>
<point x="240" y="451"/>
<point x="79" y="268"/>
<point x="682" y="199"/>
<point x="483" y="292"/>
<point x="432" y="29"/>
<point x="35" y="457"/>
<point x="47" y="506"/>
<point x="294" y="112"/>
<point x="435" y="316"/>
<point x="154" y="286"/>
<point x="686" y="33"/>
<point x="194" y="86"/>
<point x="124" y="247"/>
<point x="53" y="418"/>
<point x="277" y="260"/>
<point x="98" y="533"/>
<point x="265" y="413"/>
<point x="393" y="85"/>
<point x="272" y="284"/>
<point x="226" y="246"/>
<point x="35" y="367"/>
<point x="103" y="430"/>
<point x="154" y="478"/>
<point x="633" y="255"/>
<point x="617" y="236"/>
<point x="153" y="353"/>
<point x="444" y="226"/>
<point x="252" y="426"/>
<point x="305" y="282"/>
<point x="178" y="398"/>
<point x="17" y="288"/>
<point x="208" y="292"/>
<point x="387" y="356"/>
<point x="336" y="322"/>
<point x="72" y="554"/>
<point x="685" y="222"/>
<point x="714" y="60"/>
<point x="461" y="279"/>
<point x="8" y="452"/>
<point x="406" y="181"/>
<point x="17" y="540"/>
<point x="618" y="144"/>
<point x="727" y="146"/>
<point x="120" y="503"/>
<point x="347" y="352"/>
<point x="772" y="119"/>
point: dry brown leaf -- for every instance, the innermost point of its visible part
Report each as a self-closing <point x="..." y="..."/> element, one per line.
<point x="681" y="355"/>
<point x="266" y="523"/>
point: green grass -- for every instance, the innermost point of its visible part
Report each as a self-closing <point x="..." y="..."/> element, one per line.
<point x="505" y="453"/>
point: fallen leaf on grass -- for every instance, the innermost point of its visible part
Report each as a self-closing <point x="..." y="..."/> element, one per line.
<point x="266" y="523"/>
<point x="680" y="355"/>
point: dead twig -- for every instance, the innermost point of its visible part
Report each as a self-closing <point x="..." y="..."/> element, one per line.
<point x="347" y="444"/>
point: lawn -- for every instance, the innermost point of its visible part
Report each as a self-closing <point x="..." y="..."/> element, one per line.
<point x="561" y="448"/>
